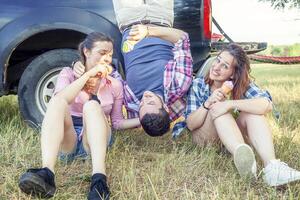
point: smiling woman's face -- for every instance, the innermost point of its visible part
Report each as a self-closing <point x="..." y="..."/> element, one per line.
<point x="222" y="68"/>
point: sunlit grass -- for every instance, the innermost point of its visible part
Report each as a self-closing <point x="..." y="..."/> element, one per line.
<point x="141" y="167"/>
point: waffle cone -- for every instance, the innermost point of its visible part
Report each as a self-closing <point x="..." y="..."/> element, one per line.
<point x="226" y="89"/>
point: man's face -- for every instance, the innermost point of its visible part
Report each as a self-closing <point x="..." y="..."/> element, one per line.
<point x="150" y="103"/>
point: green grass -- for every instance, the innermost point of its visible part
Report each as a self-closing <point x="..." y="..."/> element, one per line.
<point x="140" y="167"/>
<point x="282" y="50"/>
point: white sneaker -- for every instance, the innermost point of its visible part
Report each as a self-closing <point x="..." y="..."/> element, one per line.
<point x="244" y="161"/>
<point x="278" y="173"/>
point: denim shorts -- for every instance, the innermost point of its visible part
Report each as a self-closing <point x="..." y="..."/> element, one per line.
<point x="79" y="152"/>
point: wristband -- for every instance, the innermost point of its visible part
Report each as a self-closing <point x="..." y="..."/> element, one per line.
<point x="203" y="105"/>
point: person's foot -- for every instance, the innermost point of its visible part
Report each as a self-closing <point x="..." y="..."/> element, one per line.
<point x="38" y="182"/>
<point x="278" y="173"/>
<point x="244" y="160"/>
<point x="99" y="189"/>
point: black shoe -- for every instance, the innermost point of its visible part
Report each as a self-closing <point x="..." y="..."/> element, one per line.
<point x="99" y="189"/>
<point x="38" y="182"/>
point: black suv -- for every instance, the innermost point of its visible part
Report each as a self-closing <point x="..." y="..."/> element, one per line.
<point x="39" y="37"/>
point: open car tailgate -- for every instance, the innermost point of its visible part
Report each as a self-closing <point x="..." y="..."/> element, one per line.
<point x="249" y="47"/>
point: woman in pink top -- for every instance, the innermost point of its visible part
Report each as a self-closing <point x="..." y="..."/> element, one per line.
<point x="75" y="124"/>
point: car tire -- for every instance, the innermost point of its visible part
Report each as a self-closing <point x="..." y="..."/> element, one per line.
<point x="38" y="81"/>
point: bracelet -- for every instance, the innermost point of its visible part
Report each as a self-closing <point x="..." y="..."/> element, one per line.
<point x="203" y="105"/>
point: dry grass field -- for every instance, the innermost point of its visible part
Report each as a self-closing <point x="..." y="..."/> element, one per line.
<point x="141" y="167"/>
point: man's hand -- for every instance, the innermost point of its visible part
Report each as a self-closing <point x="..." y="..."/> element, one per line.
<point x="138" y="32"/>
<point x="219" y="108"/>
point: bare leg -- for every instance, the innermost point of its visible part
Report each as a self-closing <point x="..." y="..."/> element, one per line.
<point x="95" y="134"/>
<point x="259" y="134"/>
<point x="232" y="138"/>
<point x="57" y="131"/>
<point x="206" y="134"/>
<point x="224" y="127"/>
<point x="228" y="131"/>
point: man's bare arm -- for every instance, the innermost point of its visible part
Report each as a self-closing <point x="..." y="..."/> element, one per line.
<point x="138" y="32"/>
<point x="165" y="33"/>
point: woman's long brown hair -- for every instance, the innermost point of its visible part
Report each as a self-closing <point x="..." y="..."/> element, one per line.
<point x="241" y="72"/>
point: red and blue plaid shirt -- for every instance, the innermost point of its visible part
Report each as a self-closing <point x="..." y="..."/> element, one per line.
<point x="177" y="80"/>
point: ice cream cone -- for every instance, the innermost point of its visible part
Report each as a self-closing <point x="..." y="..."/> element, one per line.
<point x="227" y="87"/>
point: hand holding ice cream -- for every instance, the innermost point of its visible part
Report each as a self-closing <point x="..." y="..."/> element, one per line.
<point x="97" y="75"/>
<point x="104" y="70"/>
<point x="220" y="94"/>
<point x="227" y="87"/>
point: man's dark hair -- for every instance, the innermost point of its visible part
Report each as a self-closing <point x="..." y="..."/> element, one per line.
<point x="156" y="124"/>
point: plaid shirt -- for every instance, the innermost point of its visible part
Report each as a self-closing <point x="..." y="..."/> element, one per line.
<point x="200" y="92"/>
<point x="177" y="80"/>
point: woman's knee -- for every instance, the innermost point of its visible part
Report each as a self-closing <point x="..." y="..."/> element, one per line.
<point x="211" y="115"/>
<point x="221" y="119"/>
<point x="91" y="106"/>
<point x="57" y="102"/>
<point x="246" y="117"/>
